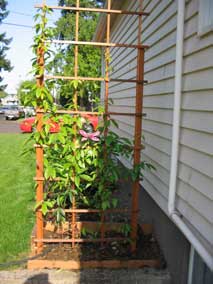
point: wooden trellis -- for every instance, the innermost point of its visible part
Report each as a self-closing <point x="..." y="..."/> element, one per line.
<point x="39" y="239"/>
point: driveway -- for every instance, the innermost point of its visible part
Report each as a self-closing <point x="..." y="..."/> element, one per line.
<point x="9" y="126"/>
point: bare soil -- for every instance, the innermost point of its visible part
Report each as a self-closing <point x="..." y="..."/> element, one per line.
<point x="147" y="249"/>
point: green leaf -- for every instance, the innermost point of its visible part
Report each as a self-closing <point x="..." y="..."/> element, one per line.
<point x="49" y="172"/>
<point x="61" y="138"/>
<point x="83" y="231"/>
<point x="37" y="28"/>
<point x="86" y="177"/>
<point x="47" y="128"/>
<point x="105" y="205"/>
<point x="44" y="208"/>
<point x="114" y="202"/>
<point x="77" y="181"/>
<point x="75" y="84"/>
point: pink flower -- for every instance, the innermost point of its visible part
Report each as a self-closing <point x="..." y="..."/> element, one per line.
<point x="91" y="136"/>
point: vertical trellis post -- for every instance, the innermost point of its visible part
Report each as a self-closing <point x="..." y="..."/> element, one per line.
<point x="39" y="151"/>
<point x="76" y="53"/>
<point x="137" y="131"/>
<point x="106" y="97"/>
<point x="75" y="104"/>
<point x="107" y="59"/>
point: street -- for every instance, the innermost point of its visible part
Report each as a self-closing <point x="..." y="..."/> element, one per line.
<point x="9" y="126"/>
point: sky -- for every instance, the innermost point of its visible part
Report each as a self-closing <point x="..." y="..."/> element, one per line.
<point x="20" y="55"/>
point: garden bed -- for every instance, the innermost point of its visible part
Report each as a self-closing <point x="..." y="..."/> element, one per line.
<point x="115" y="254"/>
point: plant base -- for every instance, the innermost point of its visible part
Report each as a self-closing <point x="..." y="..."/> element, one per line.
<point x="86" y="256"/>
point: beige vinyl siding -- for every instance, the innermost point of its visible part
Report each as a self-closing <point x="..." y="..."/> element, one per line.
<point x="195" y="169"/>
<point x="196" y="154"/>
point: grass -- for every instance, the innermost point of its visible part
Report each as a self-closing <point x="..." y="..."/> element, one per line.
<point x="16" y="197"/>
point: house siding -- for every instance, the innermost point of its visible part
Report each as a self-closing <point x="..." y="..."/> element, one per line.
<point x="195" y="166"/>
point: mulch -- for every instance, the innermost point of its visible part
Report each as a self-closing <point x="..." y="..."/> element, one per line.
<point x="147" y="249"/>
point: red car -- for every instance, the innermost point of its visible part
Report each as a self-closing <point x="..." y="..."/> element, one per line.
<point x="27" y="124"/>
<point x="90" y="125"/>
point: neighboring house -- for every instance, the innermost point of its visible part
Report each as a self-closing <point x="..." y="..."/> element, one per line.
<point x="194" y="187"/>
<point x="10" y="100"/>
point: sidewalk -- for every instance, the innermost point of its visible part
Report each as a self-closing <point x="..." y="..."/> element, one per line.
<point x="86" y="276"/>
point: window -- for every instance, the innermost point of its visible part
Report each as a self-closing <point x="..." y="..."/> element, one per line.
<point x="205" y="17"/>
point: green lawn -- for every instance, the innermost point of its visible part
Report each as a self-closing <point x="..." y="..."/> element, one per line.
<point x="16" y="197"/>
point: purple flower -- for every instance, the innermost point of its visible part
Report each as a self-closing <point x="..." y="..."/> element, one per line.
<point x="91" y="136"/>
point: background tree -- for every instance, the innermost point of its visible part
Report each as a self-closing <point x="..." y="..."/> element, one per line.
<point x="89" y="58"/>
<point x="4" y="42"/>
<point x="3" y="94"/>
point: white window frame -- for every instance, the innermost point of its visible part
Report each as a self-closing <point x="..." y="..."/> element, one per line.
<point x="205" y="17"/>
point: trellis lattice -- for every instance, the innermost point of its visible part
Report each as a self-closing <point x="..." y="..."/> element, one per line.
<point x="39" y="239"/>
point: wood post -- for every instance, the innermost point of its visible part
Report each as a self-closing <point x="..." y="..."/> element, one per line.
<point x="138" y="134"/>
<point x="107" y="60"/>
<point x="75" y="102"/>
<point x="98" y="44"/>
<point x="96" y="10"/>
<point x="39" y="159"/>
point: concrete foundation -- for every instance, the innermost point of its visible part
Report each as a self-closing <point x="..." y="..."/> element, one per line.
<point x="174" y="245"/>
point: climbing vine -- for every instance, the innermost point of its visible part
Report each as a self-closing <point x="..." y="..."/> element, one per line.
<point x="72" y="156"/>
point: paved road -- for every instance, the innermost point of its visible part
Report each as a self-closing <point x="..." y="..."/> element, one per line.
<point x="9" y="126"/>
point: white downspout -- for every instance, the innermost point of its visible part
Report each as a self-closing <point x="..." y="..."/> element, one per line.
<point x="175" y="215"/>
<point x="191" y="265"/>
